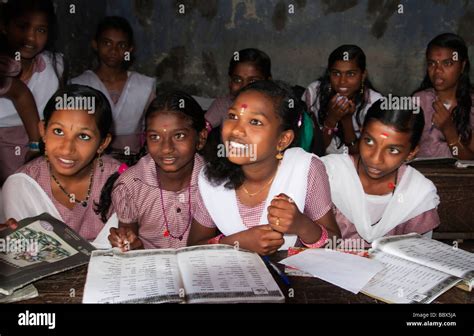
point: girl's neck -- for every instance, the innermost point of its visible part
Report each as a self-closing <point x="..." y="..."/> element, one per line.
<point x="447" y="95"/>
<point x="109" y="74"/>
<point x="71" y="181"/>
<point x="260" y="172"/>
<point x="175" y="181"/>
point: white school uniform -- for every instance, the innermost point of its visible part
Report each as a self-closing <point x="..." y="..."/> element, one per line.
<point x="129" y="111"/>
<point x="291" y="179"/>
<point x="414" y="195"/>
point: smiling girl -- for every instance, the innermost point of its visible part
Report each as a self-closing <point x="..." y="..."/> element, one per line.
<point x="155" y="200"/>
<point x="274" y="198"/>
<point x="375" y="193"/>
<point x="446" y="95"/>
<point x="340" y="99"/>
<point x="67" y="180"/>
<point x="128" y="92"/>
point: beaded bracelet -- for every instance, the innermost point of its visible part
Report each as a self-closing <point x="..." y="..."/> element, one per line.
<point x="216" y="239"/>
<point x="330" y="130"/>
<point x="322" y="240"/>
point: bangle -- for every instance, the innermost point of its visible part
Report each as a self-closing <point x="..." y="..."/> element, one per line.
<point x="33" y="146"/>
<point x="216" y="239"/>
<point x="458" y="141"/>
<point x="322" y="240"/>
<point x="330" y="130"/>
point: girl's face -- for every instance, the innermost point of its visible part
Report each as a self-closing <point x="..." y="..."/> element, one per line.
<point x="244" y="74"/>
<point x="252" y="131"/>
<point x="112" y="46"/>
<point x="72" y="140"/>
<point x="383" y="149"/>
<point x="444" y="68"/>
<point x="28" y="34"/>
<point x="346" y="77"/>
<point x="172" y="141"/>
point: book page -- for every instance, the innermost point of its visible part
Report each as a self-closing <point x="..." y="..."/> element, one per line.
<point x="430" y="253"/>
<point x="39" y="247"/>
<point x="135" y="276"/>
<point x="402" y="281"/>
<point x="220" y="273"/>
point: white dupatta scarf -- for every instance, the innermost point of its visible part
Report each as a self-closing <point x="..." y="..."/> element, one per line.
<point x="23" y="197"/>
<point x="291" y="179"/>
<point x="413" y="195"/>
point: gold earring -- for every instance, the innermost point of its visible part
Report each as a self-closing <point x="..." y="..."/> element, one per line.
<point x="279" y="155"/>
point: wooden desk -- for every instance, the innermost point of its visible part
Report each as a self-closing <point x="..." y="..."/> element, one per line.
<point x="456" y="191"/>
<point x="68" y="287"/>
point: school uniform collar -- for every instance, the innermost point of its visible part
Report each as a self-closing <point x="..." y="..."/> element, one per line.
<point x="149" y="171"/>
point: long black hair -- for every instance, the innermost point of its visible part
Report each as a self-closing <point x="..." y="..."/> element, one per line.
<point x="462" y="112"/>
<point x="172" y="101"/>
<point x="288" y="107"/>
<point x="403" y="120"/>
<point x="15" y="9"/>
<point x="343" y="53"/>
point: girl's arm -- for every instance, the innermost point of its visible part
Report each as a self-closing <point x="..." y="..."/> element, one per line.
<point x="24" y="103"/>
<point x="260" y="239"/>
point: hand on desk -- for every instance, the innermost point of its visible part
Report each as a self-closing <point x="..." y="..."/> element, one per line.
<point x="261" y="239"/>
<point x="125" y="239"/>
<point x="9" y="224"/>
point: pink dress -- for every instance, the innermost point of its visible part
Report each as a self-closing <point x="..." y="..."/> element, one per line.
<point x="136" y="198"/>
<point x="81" y="219"/>
<point x="317" y="203"/>
<point x="433" y="143"/>
<point x="218" y="110"/>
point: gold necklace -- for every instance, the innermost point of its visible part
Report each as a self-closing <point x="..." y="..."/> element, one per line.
<point x="264" y="187"/>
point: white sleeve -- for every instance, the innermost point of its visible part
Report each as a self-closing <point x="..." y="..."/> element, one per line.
<point x="23" y="198"/>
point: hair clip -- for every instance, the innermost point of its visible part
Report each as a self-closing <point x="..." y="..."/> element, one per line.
<point x="208" y="127"/>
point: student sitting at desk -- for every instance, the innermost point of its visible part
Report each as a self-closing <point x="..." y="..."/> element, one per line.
<point x="375" y="193"/>
<point x="67" y="179"/>
<point x="446" y="95"/>
<point x="258" y="191"/>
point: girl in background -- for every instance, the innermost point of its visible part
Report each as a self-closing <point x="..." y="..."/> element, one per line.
<point x="128" y="92"/>
<point x="375" y="193"/>
<point x="340" y="99"/>
<point x="245" y="67"/>
<point x="28" y="33"/>
<point x="446" y="95"/>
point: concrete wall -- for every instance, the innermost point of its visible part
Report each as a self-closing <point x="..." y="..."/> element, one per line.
<point x="191" y="50"/>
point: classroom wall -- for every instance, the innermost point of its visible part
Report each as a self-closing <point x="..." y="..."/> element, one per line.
<point x="192" y="50"/>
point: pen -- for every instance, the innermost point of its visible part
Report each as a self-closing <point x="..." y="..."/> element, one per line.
<point x="277" y="270"/>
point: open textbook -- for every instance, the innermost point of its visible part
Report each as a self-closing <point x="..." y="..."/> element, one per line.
<point x="418" y="269"/>
<point x="39" y="247"/>
<point x="198" y="274"/>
